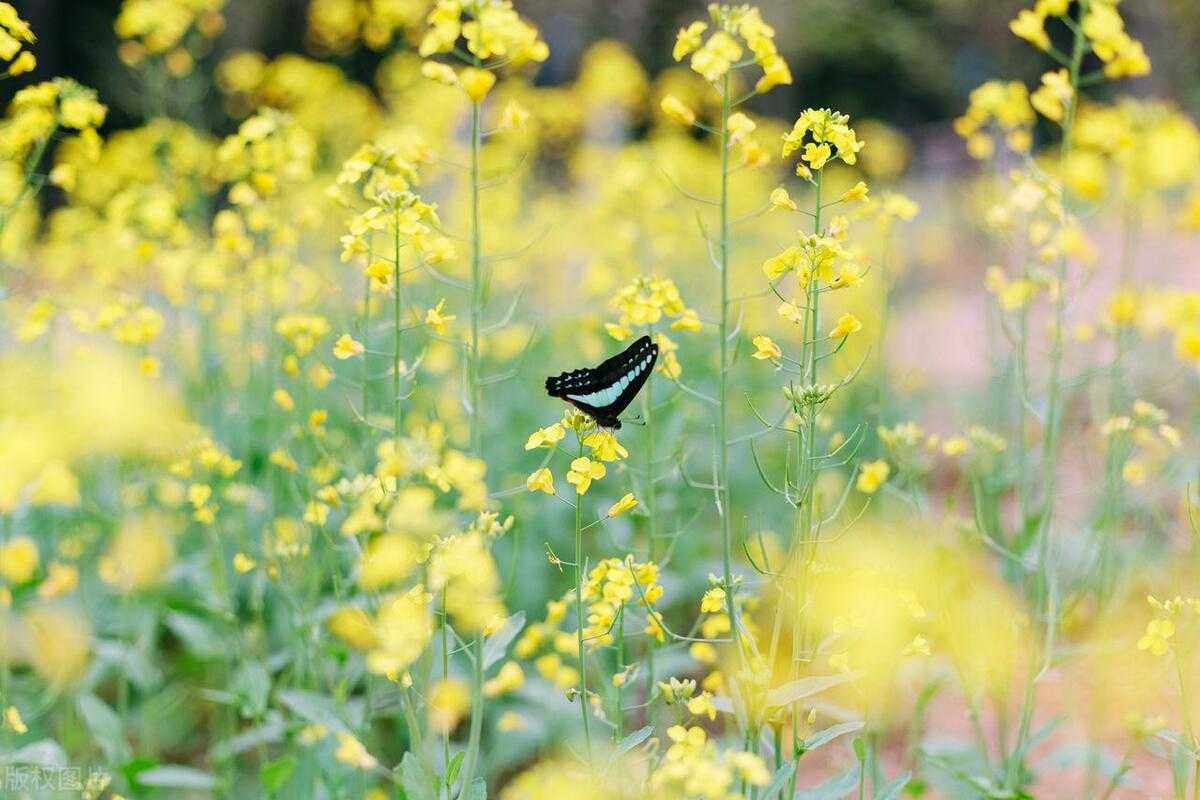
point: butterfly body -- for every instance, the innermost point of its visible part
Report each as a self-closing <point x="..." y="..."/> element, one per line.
<point x="603" y="392"/>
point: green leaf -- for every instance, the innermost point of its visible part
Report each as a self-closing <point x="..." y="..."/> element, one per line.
<point x="416" y="779"/>
<point x="174" y="776"/>
<point x="316" y="708"/>
<point x="634" y="739"/>
<point x="893" y="789"/>
<point x="104" y="725"/>
<point x="827" y="735"/>
<point x="275" y="774"/>
<point x="860" y="749"/>
<point x="835" y="788"/>
<point x="454" y="766"/>
<point x="44" y="753"/>
<point x="270" y="731"/>
<point x="497" y="644"/>
<point x="779" y="780"/>
<point x="252" y="684"/>
<point x="196" y="634"/>
<point x="136" y="766"/>
<point x="792" y="691"/>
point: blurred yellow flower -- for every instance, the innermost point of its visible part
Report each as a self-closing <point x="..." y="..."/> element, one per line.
<point x="437" y="319"/>
<point x="57" y="643"/>
<point x="139" y="556"/>
<point x="855" y="193"/>
<point x="739" y="127"/>
<point x="1157" y="639"/>
<point x="351" y="751"/>
<point x="441" y="73"/>
<point x="702" y="706"/>
<point x="872" y="475"/>
<point x="1134" y="472"/>
<point x="283" y="399"/>
<point x="846" y="325"/>
<point x="713" y="601"/>
<point x="765" y="348"/>
<point x="1030" y="26"/>
<point x="675" y="108"/>
<point x="61" y="579"/>
<point x="12" y="719"/>
<point x="447" y="701"/>
<point x="354" y="627"/>
<point x="781" y="199"/>
<point x="510" y="678"/>
<point x="688" y="40"/>
<point x="540" y="481"/>
<point x="18" y="559"/>
<point x="347" y="347"/>
<point x="476" y="83"/>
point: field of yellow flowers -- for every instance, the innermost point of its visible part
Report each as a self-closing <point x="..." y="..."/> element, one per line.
<point x="909" y="506"/>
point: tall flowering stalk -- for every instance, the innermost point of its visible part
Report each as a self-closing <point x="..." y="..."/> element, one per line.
<point x="718" y="57"/>
<point x="819" y="262"/>
<point x="496" y="36"/>
<point x="35" y="117"/>
<point x="595" y="448"/>
<point x="1047" y="206"/>
<point x="652" y="305"/>
<point x="383" y="178"/>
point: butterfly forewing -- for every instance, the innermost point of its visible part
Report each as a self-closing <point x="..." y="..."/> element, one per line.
<point x="603" y="392"/>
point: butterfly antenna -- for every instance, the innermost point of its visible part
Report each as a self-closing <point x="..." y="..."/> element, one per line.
<point x="637" y="420"/>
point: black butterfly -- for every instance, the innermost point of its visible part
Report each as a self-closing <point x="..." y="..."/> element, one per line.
<point x="605" y="391"/>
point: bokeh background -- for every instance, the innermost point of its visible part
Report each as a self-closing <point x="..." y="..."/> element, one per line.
<point x="910" y="63"/>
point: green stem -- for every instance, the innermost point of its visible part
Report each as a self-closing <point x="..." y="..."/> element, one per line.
<point x="579" y="615"/>
<point x="31" y="165"/>
<point x="619" y="714"/>
<point x="397" y="324"/>
<point x="650" y="496"/>
<point x="723" y="491"/>
<point x="473" y="388"/>
<point x="365" y="333"/>
<point x="471" y="761"/>
<point x="802" y="550"/>
<point x="445" y="676"/>
<point x="1051" y="445"/>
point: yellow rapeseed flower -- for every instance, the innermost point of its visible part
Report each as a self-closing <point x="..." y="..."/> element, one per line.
<point x="675" y="108"/>
<point x="765" y="348"/>
<point x="872" y="475"/>
<point x="437" y="319"/>
<point x="781" y="199"/>
<point x="846" y="325"/>
<point x="347" y="347"/>
<point x="604" y="445"/>
<point x="352" y="752"/>
<point x="546" y="437"/>
<point x="18" y="559"/>
<point x="583" y="471"/>
<point x="476" y="83"/>
<point x="626" y="503"/>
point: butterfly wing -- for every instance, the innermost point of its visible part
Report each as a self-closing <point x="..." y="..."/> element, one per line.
<point x="603" y="392"/>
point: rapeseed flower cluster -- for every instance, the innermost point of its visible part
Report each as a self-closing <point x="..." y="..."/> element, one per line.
<point x="262" y="392"/>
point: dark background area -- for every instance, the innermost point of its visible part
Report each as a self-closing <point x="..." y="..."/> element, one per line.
<point x="908" y="62"/>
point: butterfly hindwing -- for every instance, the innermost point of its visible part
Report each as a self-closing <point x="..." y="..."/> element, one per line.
<point x="603" y="392"/>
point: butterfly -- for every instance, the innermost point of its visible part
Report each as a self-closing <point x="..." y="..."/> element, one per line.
<point x="605" y="391"/>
